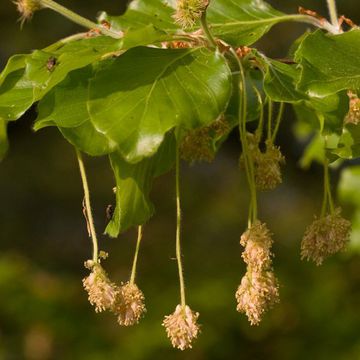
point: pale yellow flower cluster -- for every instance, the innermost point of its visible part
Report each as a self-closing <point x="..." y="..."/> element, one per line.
<point x="102" y="292"/>
<point x="258" y="290"/>
<point x="189" y="11"/>
<point x="181" y="327"/>
<point x="125" y="301"/>
<point x="325" y="236"/>
<point x="130" y="307"/>
<point x="27" y="8"/>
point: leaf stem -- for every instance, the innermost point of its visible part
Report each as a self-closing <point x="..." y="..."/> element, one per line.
<point x="322" y="24"/>
<point x="206" y="30"/>
<point x="133" y="270"/>
<point x="327" y="191"/>
<point x="89" y="216"/>
<point x="327" y="185"/>
<point x="270" y="114"/>
<point x="259" y="129"/>
<point x="249" y="166"/>
<point x="178" y="229"/>
<point x="62" y="10"/>
<point x="333" y="13"/>
<point x="278" y="121"/>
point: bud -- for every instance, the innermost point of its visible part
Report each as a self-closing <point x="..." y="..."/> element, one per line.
<point x="257" y="242"/>
<point x="257" y="292"/>
<point x="129" y="305"/>
<point x="102" y="293"/>
<point x="199" y="144"/>
<point x="189" y="11"/>
<point x="325" y="236"/>
<point x="27" y="8"/>
<point x="181" y="327"/>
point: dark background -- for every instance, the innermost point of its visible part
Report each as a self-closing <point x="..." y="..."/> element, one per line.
<point x="44" y="313"/>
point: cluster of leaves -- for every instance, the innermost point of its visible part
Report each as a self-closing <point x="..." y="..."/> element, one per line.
<point x="133" y="98"/>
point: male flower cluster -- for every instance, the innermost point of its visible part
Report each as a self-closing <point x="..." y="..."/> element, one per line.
<point x="325" y="236"/>
<point x="181" y="327"/>
<point x="258" y="290"/>
<point x="125" y="301"/>
<point x="130" y="305"/>
<point x="27" y="8"/>
<point x="266" y="165"/>
<point x="199" y="144"/>
<point x="189" y="11"/>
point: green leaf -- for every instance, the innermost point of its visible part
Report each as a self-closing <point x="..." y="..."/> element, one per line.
<point x="4" y="143"/>
<point x="254" y="89"/>
<point x="16" y="92"/>
<point x="141" y="13"/>
<point x="349" y="186"/>
<point x="87" y="139"/>
<point x="242" y="22"/>
<point x="280" y="82"/>
<point x="133" y="184"/>
<point x="349" y="194"/>
<point x="65" y="106"/>
<point x="27" y="78"/>
<point x="326" y="113"/>
<point x="349" y="143"/>
<point x="315" y="151"/>
<point x="330" y="63"/>
<point x="157" y="90"/>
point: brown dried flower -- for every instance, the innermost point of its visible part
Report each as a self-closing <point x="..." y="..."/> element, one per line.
<point x="129" y="305"/>
<point x="257" y="292"/>
<point x="267" y="167"/>
<point x="198" y="144"/>
<point x="257" y="242"/>
<point x="189" y="11"/>
<point x="102" y="292"/>
<point x="267" y="171"/>
<point x="27" y="8"/>
<point x="353" y="116"/>
<point x="325" y="236"/>
<point x="181" y="327"/>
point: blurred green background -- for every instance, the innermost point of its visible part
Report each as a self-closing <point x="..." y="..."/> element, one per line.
<point x="44" y="313"/>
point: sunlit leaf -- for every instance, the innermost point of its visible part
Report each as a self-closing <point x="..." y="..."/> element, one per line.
<point x="65" y="106"/>
<point x="27" y="78"/>
<point x="133" y="184"/>
<point x="141" y="13"/>
<point x="157" y="90"/>
<point x="242" y="22"/>
<point x="330" y="63"/>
